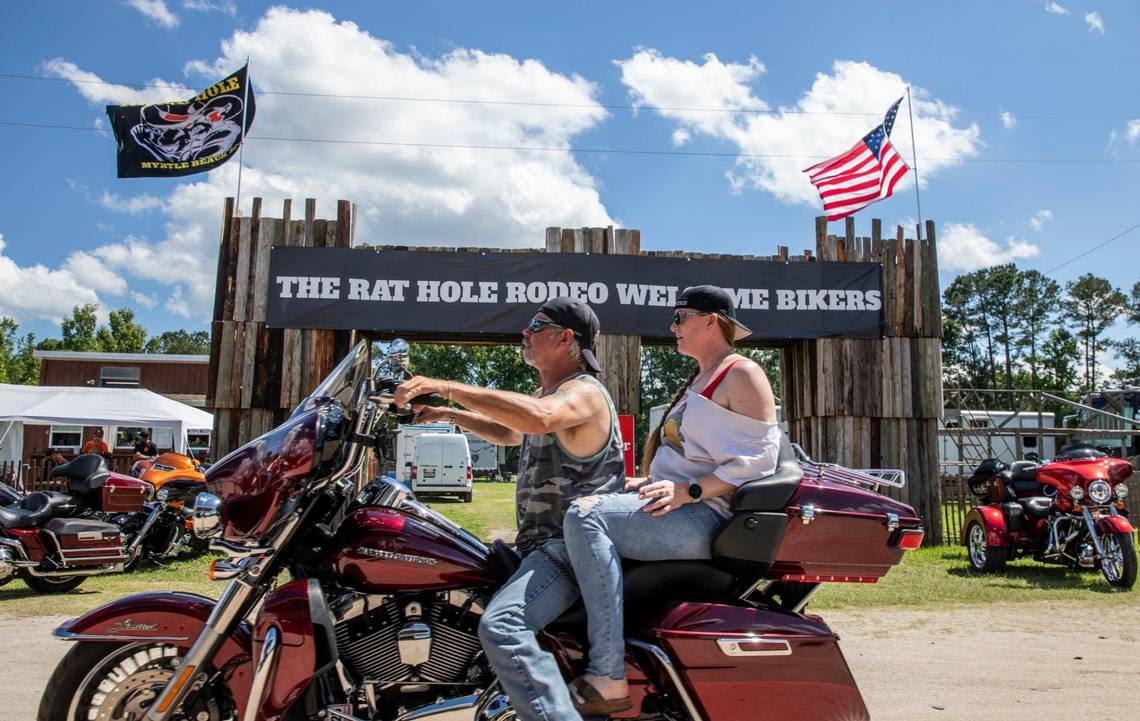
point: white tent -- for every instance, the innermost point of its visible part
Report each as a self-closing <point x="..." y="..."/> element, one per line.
<point x="48" y="405"/>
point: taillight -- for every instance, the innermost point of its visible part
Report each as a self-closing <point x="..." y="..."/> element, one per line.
<point x="469" y="473"/>
<point x="910" y="539"/>
<point x="414" y="472"/>
<point x="812" y="578"/>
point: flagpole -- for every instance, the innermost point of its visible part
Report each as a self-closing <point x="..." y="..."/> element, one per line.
<point x="241" y="148"/>
<point x="913" y="159"/>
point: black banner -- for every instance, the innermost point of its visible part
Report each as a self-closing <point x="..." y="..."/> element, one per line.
<point x="174" y="139"/>
<point x="449" y="294"/>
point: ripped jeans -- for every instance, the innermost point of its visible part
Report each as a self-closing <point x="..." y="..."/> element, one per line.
<point x="601" y="530"/>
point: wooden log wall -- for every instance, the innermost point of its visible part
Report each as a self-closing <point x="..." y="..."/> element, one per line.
<point x="258" y="375"/>
<point x="875" y="403"/>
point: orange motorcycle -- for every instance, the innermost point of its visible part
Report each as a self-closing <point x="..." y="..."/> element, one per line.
<point x="177" y="480"/>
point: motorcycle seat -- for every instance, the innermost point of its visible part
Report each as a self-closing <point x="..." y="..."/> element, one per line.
<point x="773" y="492"/>
<point x="36" y="508"/>
<point x="652" y="587"/>
<point x="1037" y="506"/>
<point x="84" y="473"/>
<point x="1023" y="475"/>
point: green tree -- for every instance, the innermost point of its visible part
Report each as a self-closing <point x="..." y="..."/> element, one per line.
<point x="1000" y="291"/>
<point x="78" y="331"/>
<point x="1059" y="353"/>
<point x="180" y="342"/>
<point x="1128" y="352"/>
<point x="122" y="334"/>
<point x="1093" y="305"/>
<point x="968" y="348"/>
<point x="17" y="365"/>
<point x="1134" y="304"/>
<point x="1037" y="305"/>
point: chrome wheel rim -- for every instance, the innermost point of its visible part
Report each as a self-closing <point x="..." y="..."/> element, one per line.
<point x="977" y="543"/>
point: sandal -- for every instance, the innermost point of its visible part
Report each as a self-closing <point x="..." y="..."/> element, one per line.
<point x="588" y="702"/>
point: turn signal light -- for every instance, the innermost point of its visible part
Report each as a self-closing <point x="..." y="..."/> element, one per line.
<point x="187" y="673"/>
<point x="911" y="539"/>
<point x="806" y="578"/>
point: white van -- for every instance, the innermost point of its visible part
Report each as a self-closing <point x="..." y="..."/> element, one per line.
<point x="441" y="463"/>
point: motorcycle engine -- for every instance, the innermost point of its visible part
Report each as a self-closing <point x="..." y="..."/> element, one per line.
<point x="411" y="643"/>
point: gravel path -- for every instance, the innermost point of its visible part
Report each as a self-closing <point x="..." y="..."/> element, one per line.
<point x="1024" y="662"/>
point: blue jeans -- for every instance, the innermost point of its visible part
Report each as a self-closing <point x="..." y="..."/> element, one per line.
<point x="535" y="595"/>
<point x="602" y="530"/>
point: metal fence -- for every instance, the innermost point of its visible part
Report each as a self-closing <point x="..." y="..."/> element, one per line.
<point x="34" y="474"/>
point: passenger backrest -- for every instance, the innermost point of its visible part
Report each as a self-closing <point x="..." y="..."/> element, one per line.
<point x="773" y="492"/>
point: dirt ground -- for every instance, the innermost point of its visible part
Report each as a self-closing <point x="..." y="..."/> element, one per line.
<point x="1024" y="662"/>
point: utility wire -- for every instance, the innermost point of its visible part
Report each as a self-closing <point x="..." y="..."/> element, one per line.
<point x="1075" y="258"/>
<point x="600" y="151"/>
<point x="606" y="106"/>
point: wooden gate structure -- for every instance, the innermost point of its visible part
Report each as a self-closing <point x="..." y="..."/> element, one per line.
<point x="860" y="402"/>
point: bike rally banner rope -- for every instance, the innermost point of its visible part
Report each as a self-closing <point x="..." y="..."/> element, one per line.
<point x="497" y="293"/>
<point x="183" y="138"/>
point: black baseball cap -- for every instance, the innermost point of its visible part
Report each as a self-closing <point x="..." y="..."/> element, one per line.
<point x="580" y="318"/>
<point x="712" y="299"/>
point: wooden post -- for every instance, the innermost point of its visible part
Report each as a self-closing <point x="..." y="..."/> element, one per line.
<point x="876" y="402"/>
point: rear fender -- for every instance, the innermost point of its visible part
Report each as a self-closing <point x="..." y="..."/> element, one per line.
<point x="302" y="645"/>
<point x="1113" y="524"/>
<point x="173" y="618"/>
<point x="992" y="520"/>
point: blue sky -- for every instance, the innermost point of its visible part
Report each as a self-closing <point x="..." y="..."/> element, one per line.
<point x="739" y="87"/>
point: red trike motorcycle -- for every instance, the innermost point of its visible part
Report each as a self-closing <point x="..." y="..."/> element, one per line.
<point x="1069" y="510"/>
<point x="352" y="601"/>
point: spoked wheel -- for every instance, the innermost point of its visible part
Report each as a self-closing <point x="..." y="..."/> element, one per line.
<point x="53" y="584"/>
<point x="120" y="682"/>
<point x="983" y="558"/>
<point x="1119" y="562"/>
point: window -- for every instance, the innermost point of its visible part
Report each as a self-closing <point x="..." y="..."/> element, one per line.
<point x="1029" y="441"/>
<point x="979" y="423"/>
<point x="198" y="441"/>
<point x="66" y="438"/>
<point x="953" y="423"/>
<point x="127" y="437"/>
<point x="118" y="377"/>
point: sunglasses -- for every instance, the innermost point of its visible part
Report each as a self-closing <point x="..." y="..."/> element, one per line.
<point x="680" y="316"/>
<point x="537" y="324"/>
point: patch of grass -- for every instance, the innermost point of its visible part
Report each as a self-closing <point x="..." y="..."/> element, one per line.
<point x="943" y="577"/>
<point x="490" y="514"/>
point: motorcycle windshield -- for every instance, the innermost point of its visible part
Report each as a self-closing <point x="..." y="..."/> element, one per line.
<point x="342" y="383"/>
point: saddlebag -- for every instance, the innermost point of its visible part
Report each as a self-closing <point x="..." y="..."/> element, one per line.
<point x="757" y="664"/>
<point x="121" y="494"/>
<point x="84" y="542"/>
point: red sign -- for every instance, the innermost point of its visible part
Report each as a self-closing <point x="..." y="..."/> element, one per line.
<point x="625" y="424"/>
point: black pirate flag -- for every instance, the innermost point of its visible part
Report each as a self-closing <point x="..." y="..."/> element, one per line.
<point x="173" y="139"/>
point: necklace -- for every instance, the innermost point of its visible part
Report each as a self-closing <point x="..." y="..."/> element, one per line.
<point x="701" y="377"/>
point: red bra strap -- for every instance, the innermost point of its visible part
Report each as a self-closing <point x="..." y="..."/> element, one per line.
<point x="707" y="392"/>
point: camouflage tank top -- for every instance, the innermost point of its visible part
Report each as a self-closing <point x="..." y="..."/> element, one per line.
<point x="550" y="477"/>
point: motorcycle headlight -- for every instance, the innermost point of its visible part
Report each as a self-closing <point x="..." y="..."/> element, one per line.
<point x="162" y="494"/>
<point x="1121" y="491"/>
<point x="207" y="520"/>
<point x="1099" y="492"/>
<point x="1077" y="493"/>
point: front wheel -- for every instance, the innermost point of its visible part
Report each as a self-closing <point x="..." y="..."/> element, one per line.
<point x="53" y="584"/>
<point x="122" y="681"/>
<point x="983" y="558"/>
<point x="1119" y="562"/>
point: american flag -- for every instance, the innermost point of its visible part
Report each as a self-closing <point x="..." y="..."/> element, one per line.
<point x="865" y="174"/>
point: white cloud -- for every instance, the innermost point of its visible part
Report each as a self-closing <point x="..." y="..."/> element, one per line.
<point x="1095" y="22"/>
<point x="155" y="10"/>
<point x="228" y="7"/>
<point x="134" y="205"/>
<point x="1041" y="218"/>
<point x="681" y="136"/>
<point x="37" y="292"/>
<point x="1131" y="133"/>
<point x="962" y="247"/>
<point x="1056" y="9"/>
<point x="146" y="301"/>
<point x="404" y="194"/>
<point x="96" y="91"/>
<point x="1008" y="119"/>
<point x="775" y="147"/>
<point x="94" y="273"/>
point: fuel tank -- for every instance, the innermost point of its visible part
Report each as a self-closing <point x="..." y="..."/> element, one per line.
<point x="385" y="550"/>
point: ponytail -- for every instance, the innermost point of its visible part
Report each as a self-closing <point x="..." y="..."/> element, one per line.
<point x="653" y="442"/>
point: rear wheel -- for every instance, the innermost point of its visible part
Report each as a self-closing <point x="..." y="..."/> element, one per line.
<point x="120" y="682"/>
<point x="466" y="497"/>
<point x="983" y="558"/>
<point x="53" y="584"/>
<point x="1119" y="562"/>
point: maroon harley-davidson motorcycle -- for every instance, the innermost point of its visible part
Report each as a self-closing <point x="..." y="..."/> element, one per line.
<point x="350" y="601"/>
<point x="1069" y="511"/>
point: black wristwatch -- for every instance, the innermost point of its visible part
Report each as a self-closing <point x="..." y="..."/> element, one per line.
<point x="695" y="491"/>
